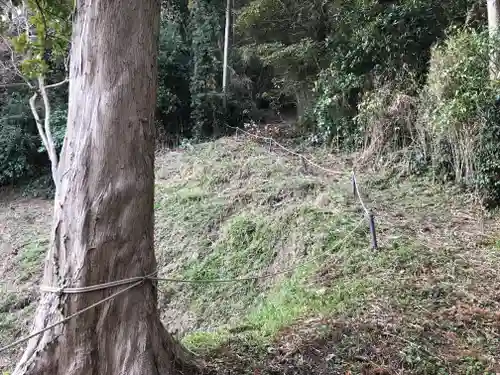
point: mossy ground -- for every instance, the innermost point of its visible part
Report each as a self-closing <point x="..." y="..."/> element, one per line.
<point x="425" y="302"/>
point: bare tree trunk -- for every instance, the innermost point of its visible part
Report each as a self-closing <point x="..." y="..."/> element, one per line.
<point x="493" y="23"/>
<point x="226" y="51"/>
<point x="303" y="98"/>
<point x="44" y="130"/>
<point x="103" y="214"/>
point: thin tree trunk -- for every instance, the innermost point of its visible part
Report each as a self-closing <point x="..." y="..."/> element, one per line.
<point x="226" y="51"/>
<point x="103" y="214"/>
<point x="493" y="23"/>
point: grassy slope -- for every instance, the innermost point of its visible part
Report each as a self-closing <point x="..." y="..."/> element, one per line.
<point x="425" y="303"/>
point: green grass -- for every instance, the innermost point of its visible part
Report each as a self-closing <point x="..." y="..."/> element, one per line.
<point x="268" y="216"/>
<point x="426" y="302"/>
<point x="30" y="258"/>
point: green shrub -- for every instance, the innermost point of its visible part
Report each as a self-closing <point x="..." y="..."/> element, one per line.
<point x="370" y="39"/>
<point x="457" y="86"/>
<point x="16" y="145"/>
<point x="459" y="115"/>
<point x="335" y="109"/>
<point x="209" y="115"/>
<point x="58" y="121"/>
<point x="18" y="139"/>
<point x="288" y="37"/>
<point x="487" y="177"/>
<point x="22" y="154"/>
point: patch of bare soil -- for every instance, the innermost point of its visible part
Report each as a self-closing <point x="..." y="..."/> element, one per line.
<point x="24" y="228"/>
<point x="21" y="221"/>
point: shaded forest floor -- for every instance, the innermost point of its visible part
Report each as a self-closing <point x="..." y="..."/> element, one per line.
<point x="427" y="302"/>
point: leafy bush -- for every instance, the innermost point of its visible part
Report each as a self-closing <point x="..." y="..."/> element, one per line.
<point x="251" y="83"/>
<point x="18" y="139"/>
<point x="369" y="39"/>
<point x="58" y="121"/>
<point x="288" y="38"/>
<point x="22" y="154"/>
<point x="488" y="157"/>
<point x="459" y="113"/>
<point x="376" y="35"/>
<point x="335" y="109"/>
<point x="16" y="145"/>
<point x="457" y="86"/>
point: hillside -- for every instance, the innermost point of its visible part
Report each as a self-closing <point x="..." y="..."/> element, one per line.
<point x="425" y="302"/>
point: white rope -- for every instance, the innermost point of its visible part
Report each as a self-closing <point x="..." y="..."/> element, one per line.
<point x="140" y="279"/>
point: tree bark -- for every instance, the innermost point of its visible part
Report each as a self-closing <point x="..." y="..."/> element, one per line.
<point x="103" y="214"/>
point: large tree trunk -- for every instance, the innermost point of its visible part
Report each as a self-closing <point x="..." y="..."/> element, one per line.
<point x="103" y="215"/>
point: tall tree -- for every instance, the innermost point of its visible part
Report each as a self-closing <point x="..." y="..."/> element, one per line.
<point x="103" y="214"/>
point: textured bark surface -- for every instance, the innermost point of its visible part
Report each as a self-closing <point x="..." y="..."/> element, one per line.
<point x="103" y="214"/>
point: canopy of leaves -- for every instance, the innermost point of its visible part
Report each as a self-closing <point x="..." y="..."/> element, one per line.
<point x="45" y="39"/>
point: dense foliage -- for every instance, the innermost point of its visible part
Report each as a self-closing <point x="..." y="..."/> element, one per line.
<point x="461" y="113"/>
<point x="207" y="20"/>
<point x="405" y="80"/>
<point x="173" y="111"/>
<point x="18" y="139"/>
